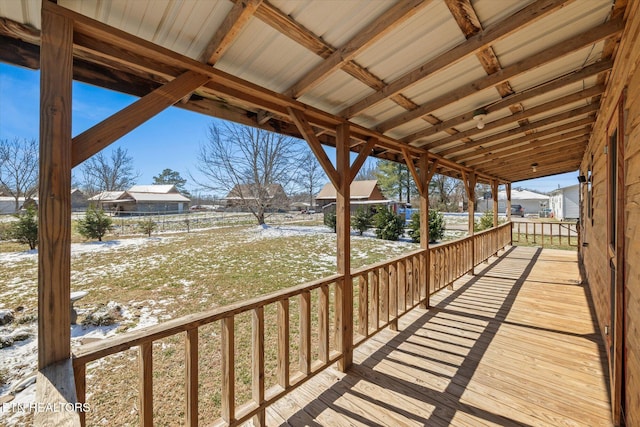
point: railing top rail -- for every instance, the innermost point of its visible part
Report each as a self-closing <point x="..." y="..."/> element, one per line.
<point x="98" y="349"/>
<point x="381" y="264"/>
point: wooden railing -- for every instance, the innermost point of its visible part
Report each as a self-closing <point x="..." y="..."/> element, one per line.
<point x="546" y="233"/>
<point x="382" y="293"/>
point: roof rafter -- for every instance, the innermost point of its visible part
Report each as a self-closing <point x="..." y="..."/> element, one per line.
<point x="588" y="71"/>
<point x="551" y="105"/>
<point x="382" y="25"/>
<point x="562" y="48"/>
<point x="567" y="115"/>
<point x="496" y="32"/>
<point x="233" y="23"/>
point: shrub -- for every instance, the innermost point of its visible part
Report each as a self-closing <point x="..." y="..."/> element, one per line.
<point x="147" y="226"/>
<point x="389" y="226"/>
<point x="436" y="226"/>
<point x="330" y="220"/>
<point x="95" y="224"/>
<point x="486" y="221"/>
<point x="362" y="220"/>
<point x="25" y="230"/>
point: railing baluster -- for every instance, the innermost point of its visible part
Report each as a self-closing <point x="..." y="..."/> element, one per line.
<point x="145" y="377"/>
<point x="283" y="343"/>
<point x="323" y="324"/>
<point x="384" y="294"/>
<point x="402" y="285"/>
<point x="409" y="269"/>
<point x="228" y="369"/>
<point x="375" y="301"/>
<point x="305" y="332"/>
<point x="363" y="306"/>
<point x="191" y="373"/>
<point x="80" y="377"/>
<point x="416" y="278"/>
<point x="393" y="297"/>
<point x="257" y="363"/>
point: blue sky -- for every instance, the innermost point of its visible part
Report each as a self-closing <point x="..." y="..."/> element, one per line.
<point x="169" y="140"/>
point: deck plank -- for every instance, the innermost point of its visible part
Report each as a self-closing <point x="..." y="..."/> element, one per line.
<point x="514" y="345"/>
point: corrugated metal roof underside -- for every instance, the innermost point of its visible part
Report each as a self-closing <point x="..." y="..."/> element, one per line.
<point x="266" y="55"/>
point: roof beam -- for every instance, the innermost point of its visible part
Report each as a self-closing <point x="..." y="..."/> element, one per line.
<point x="494" y="33"/>
<point x="563" y="48"/>
<point x="540" y="109"/>
<point x="233" y="23"/>
<point x="381" y="26"/>
<point x="515" y="98"/>
<point x="592" y="108"/>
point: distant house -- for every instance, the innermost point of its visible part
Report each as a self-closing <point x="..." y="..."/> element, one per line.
<point x="362" y="192"/>
<point x="275" y="197"/>
<point x="565" y="202"/>
<point x="531" y="201"/>
<point x="142" y="199"/>
<point x="79" y="200"/>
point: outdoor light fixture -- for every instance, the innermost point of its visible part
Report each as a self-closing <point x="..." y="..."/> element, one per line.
<point x="534" y="167"/>
<point x="582" y="178"/>
<point x="479" y="116"/>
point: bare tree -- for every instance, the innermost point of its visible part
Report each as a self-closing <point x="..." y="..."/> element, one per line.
<point x="368" y="171"/>
<point x="19" y="168"/>
<point x="443" y="191"/>
<point x="249" y="165"/>
<point x="311" y="176"/>
<point x="109" y="173"/>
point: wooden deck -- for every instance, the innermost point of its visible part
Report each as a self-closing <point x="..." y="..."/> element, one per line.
<point x="512" y="346"/>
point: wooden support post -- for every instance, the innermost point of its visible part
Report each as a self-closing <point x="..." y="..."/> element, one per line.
<point x="344" y="289"/>
<point x="425" y="177"/>
<point x="191" y="373"/>
<point x="494" y="195"/>
<point x="508" y="211"/>
<point x="54" y="210"/>
<point x="470" y="188"/>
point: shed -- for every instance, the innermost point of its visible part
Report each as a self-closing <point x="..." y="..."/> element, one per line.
<point x="565" y="202"/>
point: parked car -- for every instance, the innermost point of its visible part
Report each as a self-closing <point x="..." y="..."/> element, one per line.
<point x="517" y="210"/>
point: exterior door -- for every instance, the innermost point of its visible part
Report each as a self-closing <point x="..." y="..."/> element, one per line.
<point x="615" y="249"/>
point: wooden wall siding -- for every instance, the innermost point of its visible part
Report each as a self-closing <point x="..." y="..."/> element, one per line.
<point x="632" y="249"/>
<point x="595" y="258"/>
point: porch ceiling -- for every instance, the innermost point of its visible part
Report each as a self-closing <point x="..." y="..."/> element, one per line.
<point x="409" y="73"/>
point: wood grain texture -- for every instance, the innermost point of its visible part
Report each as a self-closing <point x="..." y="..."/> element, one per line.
<point x="512" y="346"/>
<point x="55" y="386"/>
<point x="54" y="207"/>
